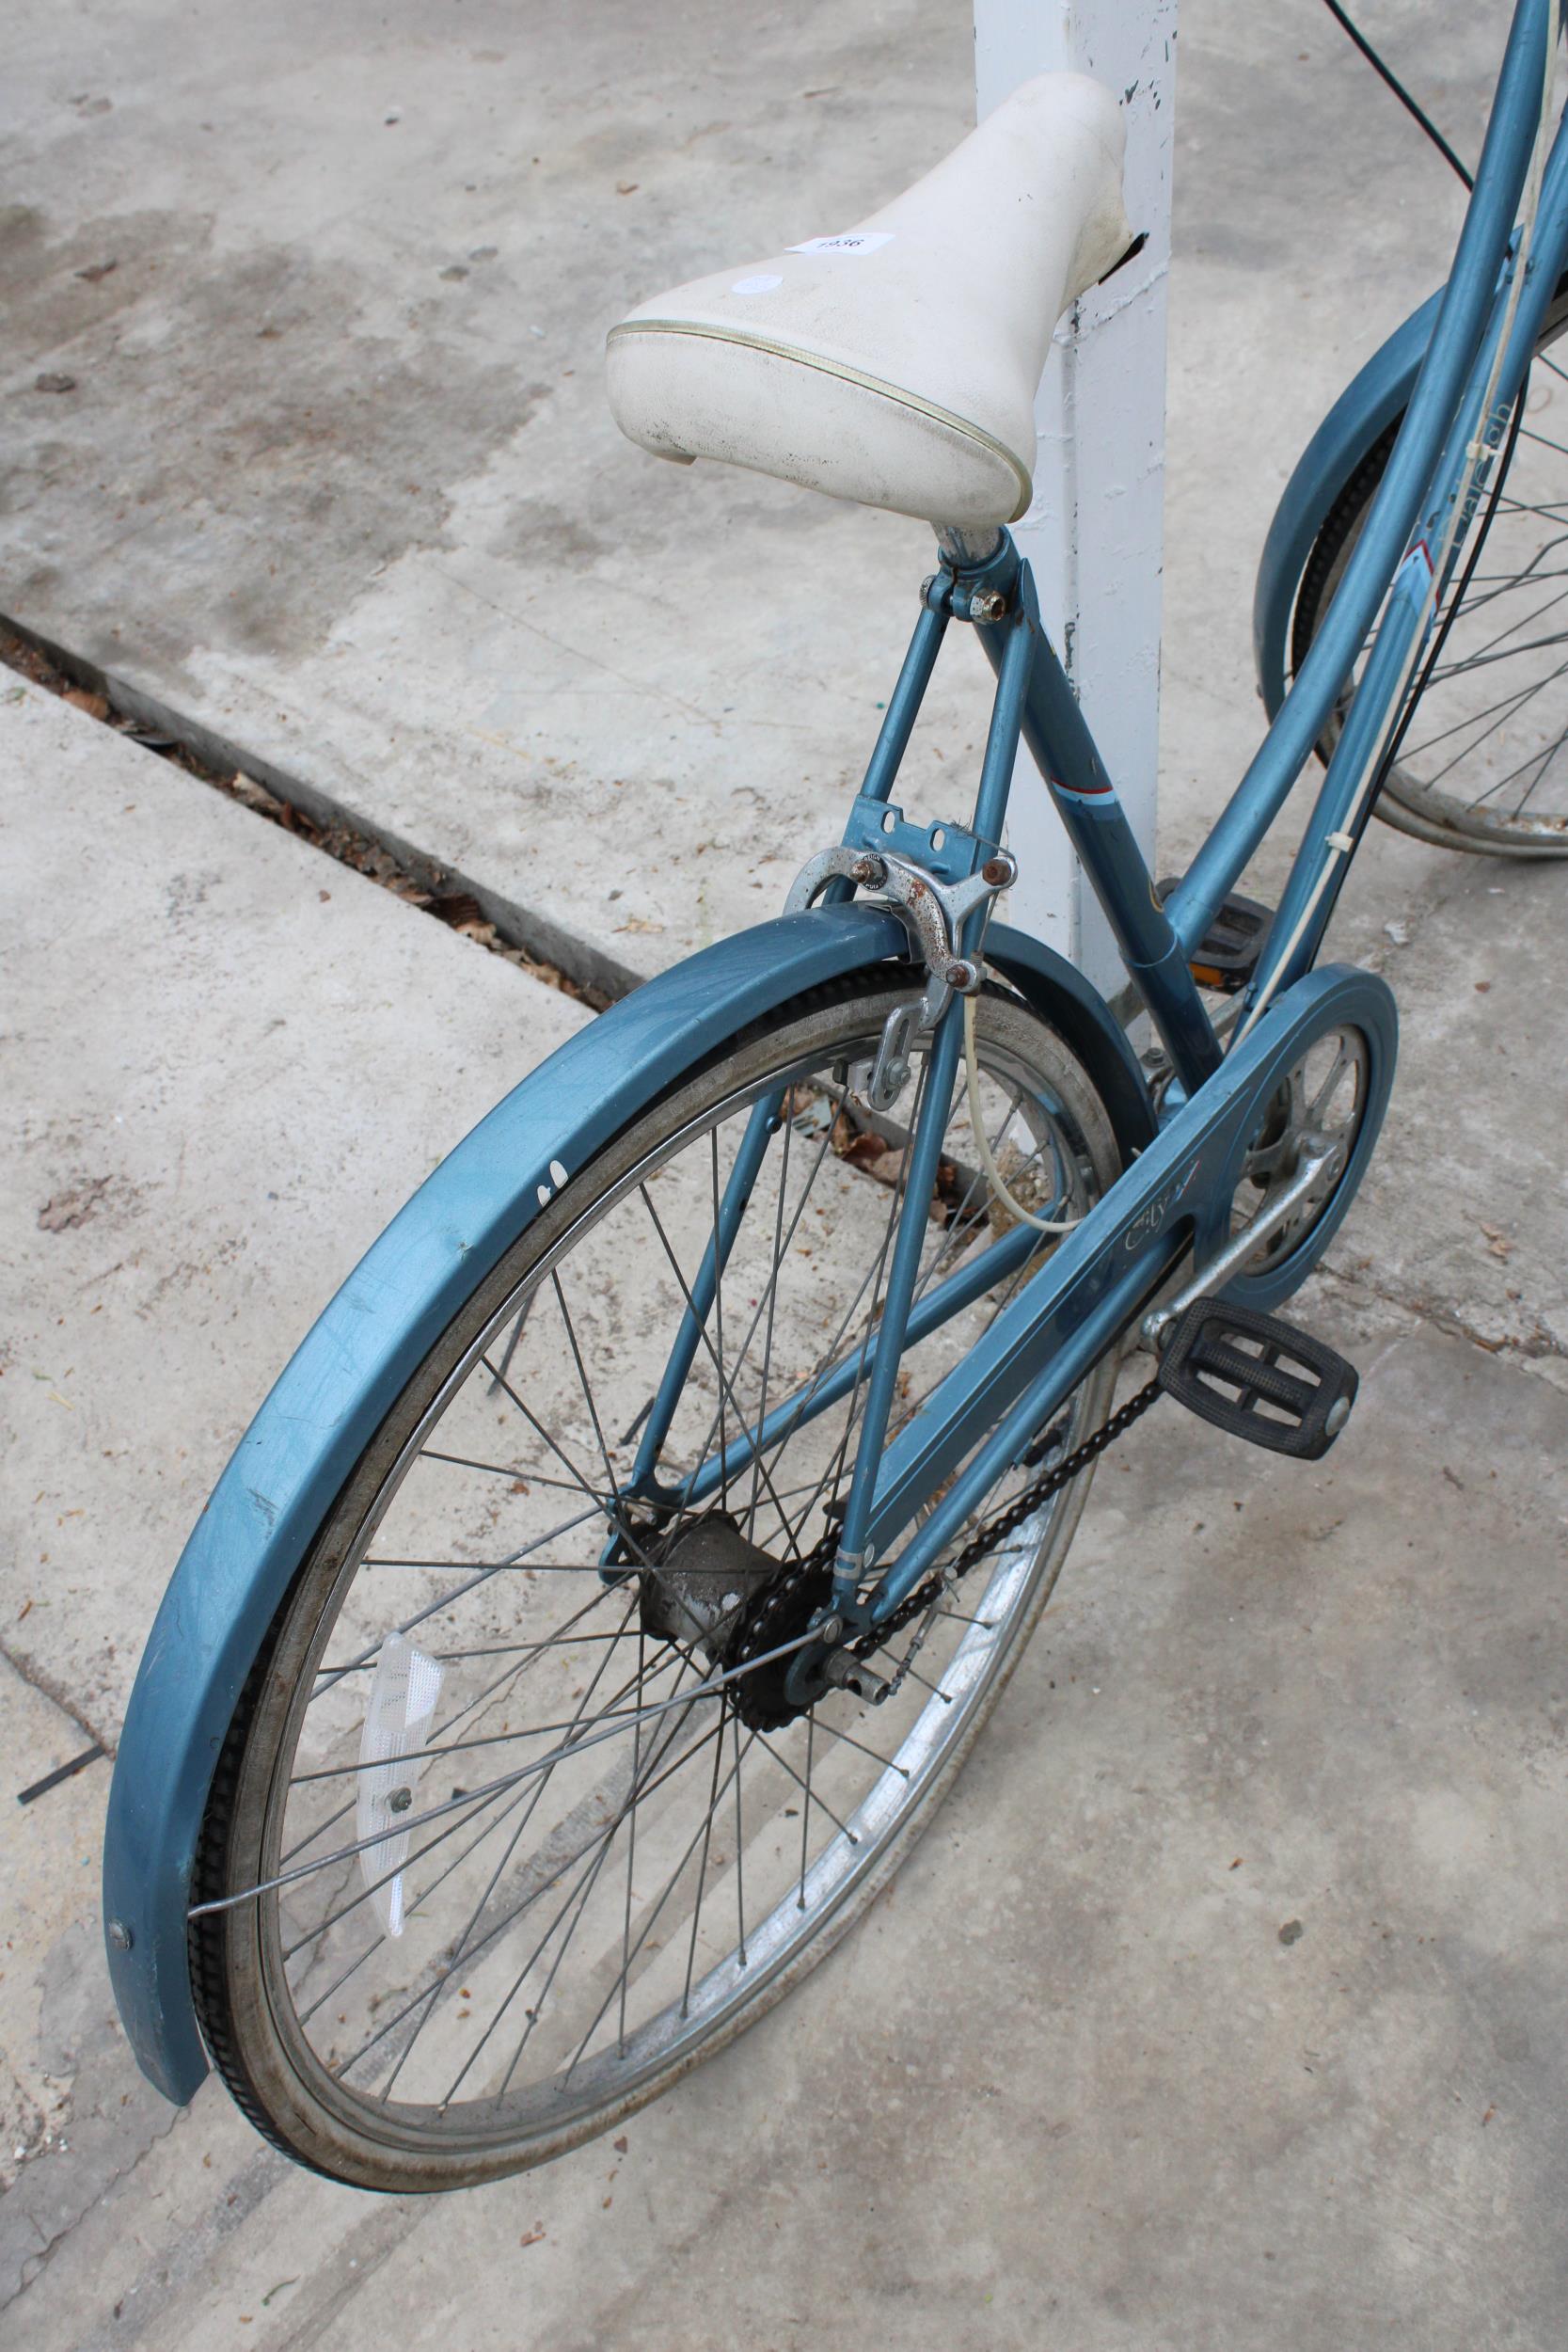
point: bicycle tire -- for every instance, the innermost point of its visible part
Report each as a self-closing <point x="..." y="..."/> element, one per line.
<point x="250" y="2011"/>
<point x="1410" y="801"/>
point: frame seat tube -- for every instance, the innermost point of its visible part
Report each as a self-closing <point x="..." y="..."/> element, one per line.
<point x="1066" y="754"/>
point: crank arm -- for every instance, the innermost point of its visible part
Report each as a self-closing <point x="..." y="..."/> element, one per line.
<point x="1317" y="1167"/>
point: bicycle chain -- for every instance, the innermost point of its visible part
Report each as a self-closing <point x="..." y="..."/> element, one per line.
<point x="994" y="1531"/>
<point x="754" y="1637"/>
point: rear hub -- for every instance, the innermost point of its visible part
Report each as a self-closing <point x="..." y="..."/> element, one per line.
<point x="700" y="1590"/>
<point x="717" y="1592"/>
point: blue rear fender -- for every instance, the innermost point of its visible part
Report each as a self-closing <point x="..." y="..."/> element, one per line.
<point x="299" y="1450"/>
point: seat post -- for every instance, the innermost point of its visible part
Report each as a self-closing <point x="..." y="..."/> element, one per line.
<point x="965" y="551"/>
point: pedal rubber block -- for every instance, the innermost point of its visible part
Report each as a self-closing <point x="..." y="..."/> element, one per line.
<point x="1258" y="1377"/>
<point x="1226" y="956"/>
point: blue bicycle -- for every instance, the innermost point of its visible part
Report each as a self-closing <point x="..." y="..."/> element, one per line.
<point x="611" y="1587"/>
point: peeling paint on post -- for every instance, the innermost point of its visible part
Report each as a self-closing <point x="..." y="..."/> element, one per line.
<point x="1094" y="533"/>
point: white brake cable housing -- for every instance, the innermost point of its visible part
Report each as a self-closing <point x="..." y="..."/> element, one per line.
<point x="994" y="1177"/>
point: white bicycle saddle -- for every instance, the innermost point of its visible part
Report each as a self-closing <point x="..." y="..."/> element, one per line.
<point x="897" y="362"/>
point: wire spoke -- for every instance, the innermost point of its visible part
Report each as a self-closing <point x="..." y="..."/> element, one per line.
<point x="386" y="1881"/>
<point x="631" y="1859"/>
<point x="465" y="1960"/>
<point x="579" y="1895"/>
<point x="805" y="1809"/>
<point x="586" y="1892"/>
<point x="834" y="1472"/>
<point x="820" y="1802"/>
<point x="425" y="1893"/>
<point x="1487" y="652"/>
<point x="489" y="1739"/>
<point x="671" y="1884"/>
<point x="830" y="1357"/>
<point x="700" y="1323"/>
<point x="615" y="1498"/>
<point x="768" y="1302"/>
<point x="516" y="1335"/>
<point x="719" y="1257"/>
<point x="770" y="1298"/>
<point x="476" y="1796"/>
<point x="507" y="1470"/>
<point x="1540" y="760"/>
<point x="329" y="1675"/>
<point x="833" y="1732"/>
<point x="702" y="1869"/>
<point x="610" y="1480"/>
<point x="1507" y="709"/>
<point x="594" y="1901"/>
<point x="739" y="1842"/>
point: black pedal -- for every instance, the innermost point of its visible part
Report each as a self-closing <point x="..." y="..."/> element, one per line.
<point x="1258" y="1377"/>
<point x="1227" y="957"/>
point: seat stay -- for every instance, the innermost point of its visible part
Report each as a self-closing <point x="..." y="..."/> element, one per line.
<point x="1034" y="701"/>
<point x="761" y="1126"/>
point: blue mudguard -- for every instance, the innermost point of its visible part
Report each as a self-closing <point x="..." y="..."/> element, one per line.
<point x="1365" y="409"/>
<point x="294" y="1458"/>
<point x="1368" y="405"/>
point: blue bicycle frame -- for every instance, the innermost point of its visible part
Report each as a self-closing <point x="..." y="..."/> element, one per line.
<point x="1182" y="1167"/>
<point x="1176" y="1200"/>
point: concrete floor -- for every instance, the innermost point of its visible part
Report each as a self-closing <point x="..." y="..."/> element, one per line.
<point x="356" y="517"/>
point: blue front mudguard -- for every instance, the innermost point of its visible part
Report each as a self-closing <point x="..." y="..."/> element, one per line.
<point x="299" y="1450"/>
<point x="1369" y="403"/>
<point x="1364" y="410"/>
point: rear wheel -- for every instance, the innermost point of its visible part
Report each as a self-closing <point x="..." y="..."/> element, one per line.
<point x="503" y="1839"/>
<point x="1484" y="761"/>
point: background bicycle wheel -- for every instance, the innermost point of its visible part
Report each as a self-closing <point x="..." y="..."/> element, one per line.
<point x="1482" y="765"/>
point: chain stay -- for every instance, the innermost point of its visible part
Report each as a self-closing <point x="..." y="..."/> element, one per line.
<point x="755" y="1637"/>
<point x="994" y="1531"/>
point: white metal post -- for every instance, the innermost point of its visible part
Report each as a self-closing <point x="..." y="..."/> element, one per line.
<point x="1095" y="531"/>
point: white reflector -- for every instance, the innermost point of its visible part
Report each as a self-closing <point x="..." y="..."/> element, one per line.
<point x="402" y="1699"/>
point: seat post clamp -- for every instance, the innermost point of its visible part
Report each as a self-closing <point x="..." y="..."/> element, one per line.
<point x="943" y="594"/>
